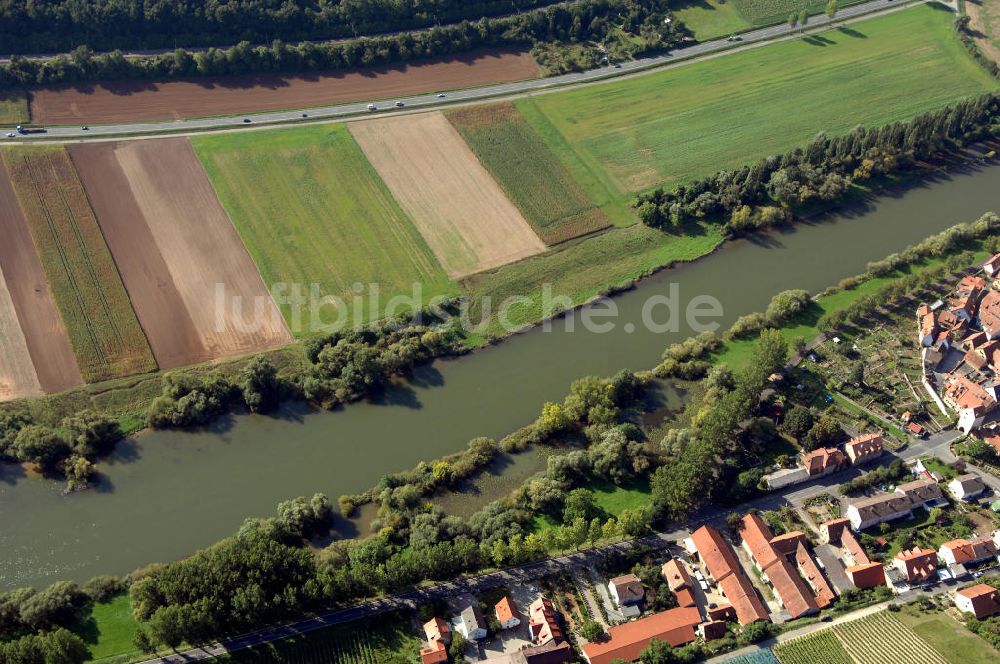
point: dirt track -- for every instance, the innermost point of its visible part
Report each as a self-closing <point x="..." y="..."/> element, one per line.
<point x="457" y="206"/>
<point x="174" y="245"/>
<point x="135" y="101"/>
<point x="45" y="336"/>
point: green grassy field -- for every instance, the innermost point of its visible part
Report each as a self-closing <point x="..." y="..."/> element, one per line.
<point x="385" y="640"/>
<point x="710" y="19"/>
<point x="110" y="629"/>
<point x="583" y="269"/>
<point x="532" y="177"/>
<point x="93" y="303"/>
<point x="312" y="210"/>
<point x="948" y="636"/>
<point x="609" y="497"/>
<point x="769" y="12"/>
<point x="687" y="122"/>
<point x="13" y="107"/>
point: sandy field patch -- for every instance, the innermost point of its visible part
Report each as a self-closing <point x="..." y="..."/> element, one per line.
<point x="134" y="101"/>
<point x="45" y="336"/>
<point x="176" y="249"/>
<point x="454" y="202"/>
<point x="17" y="373"/>
<point x="984" y="15"/>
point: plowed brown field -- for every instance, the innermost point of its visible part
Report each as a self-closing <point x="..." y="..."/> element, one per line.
<point x="46" y="342"/>
<point x="135" y="101"/>
<point x="17" y="373"/>
<point x="457" y="206"/>
<point x="177" y="251"/>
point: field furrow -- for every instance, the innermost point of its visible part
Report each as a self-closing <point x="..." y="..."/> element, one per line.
<point x="94" y="307"/>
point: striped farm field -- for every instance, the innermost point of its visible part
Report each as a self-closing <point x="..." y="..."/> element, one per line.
<point x="312" y="210"/>
<point x="388" y="641"/>
<point x="88" y="291"/>
<point x="880" y="638"/>
<point x="883" y="639"/>
<point x="673" y="126"/>
<point x="554" y="204"/>
<point x="817" y="648"/>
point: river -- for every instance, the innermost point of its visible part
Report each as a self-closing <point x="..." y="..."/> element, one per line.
<point x="165" y="494"/>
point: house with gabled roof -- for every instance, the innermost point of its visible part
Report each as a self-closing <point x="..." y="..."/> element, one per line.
<point x="916" y="565"/>
<point x="981" y="600"/>
<point x="964" y="551"/>
<point x="967" y="487"/>
<point x="864" y="448"/>
<point x="823" y="461"/>
<point x="724" y="567"/>
<point x="506" y="613"/>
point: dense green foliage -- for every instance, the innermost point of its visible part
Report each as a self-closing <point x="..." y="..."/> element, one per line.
<point x="573" y="22"/>
<point x="28" y="27"/>
<point x="697" y="473"/>
<point x="894" y="472"/>
<point x="766" y="192"/>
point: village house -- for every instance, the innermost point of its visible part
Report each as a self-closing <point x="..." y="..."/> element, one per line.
<point x="679" y="582"/>
<point x="626" y="642"/>
<point x="916" y="565"/>
<point x="881" y="508"/>
<point x="860" y="569"/>
<point x="724" y="567"/>
<point x="861" y="449"/>
<point x="967" y="487"/>
<point x="981" y="600"/>
<point x="438" y="636"/>
<point x="470" y="623"/>
<point x="543" y="622"/>
<point x="507" y="613"/>
<point x="965" y="551"/>
<point x="628" y="593"/>
<point x="800" y="586"/>
<point x="823" y="461"/>
<point x="972" y="401"/>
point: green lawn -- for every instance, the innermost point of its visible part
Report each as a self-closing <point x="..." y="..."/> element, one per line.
<point x="947" y="636"/>
<point x="710" y="19"/>
<point x="690" y="121"/>
<point x="584" y="269"/>
<point x="110" y="629"/>
<point x="312" y="210"/>
<point x="13" y="107"/>
<point x="609" y="497"/>
<point x="771" y="12"/>
<point x="533" y="178"/>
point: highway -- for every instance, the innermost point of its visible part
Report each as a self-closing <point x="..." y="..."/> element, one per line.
<point x="676" y="57"/>
<point x="937" y="445"/>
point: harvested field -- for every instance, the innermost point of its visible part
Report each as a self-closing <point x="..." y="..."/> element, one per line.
<point x="178" y="251"/>
<point x="312" y="210"/>
<point x="458" y="207"/>
<point x="530" y="174"/>
<point x="13" y="107"/>
<point x="17" y="374"/>
<point x="88" y="291"/>
<point x="135" y="101"/>
<point x="44" y="333"/>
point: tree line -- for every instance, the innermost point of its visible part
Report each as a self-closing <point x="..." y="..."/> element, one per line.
<point x="573" y="22"/>
<point x="61" y="25"/>
<point x="769" y="191"/>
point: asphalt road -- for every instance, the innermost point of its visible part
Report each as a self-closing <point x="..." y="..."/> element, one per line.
<point x="524" y="574"/>
<point x="426" y="101"/>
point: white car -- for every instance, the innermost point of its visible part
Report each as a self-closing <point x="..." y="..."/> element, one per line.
<point x="400" y="104"/>
<point x="11" y="134"/>
<point x="372" y="107"/>
<point x="441" y="95"/>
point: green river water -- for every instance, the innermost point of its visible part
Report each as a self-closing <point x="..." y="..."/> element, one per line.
<point x="165" y="494"/>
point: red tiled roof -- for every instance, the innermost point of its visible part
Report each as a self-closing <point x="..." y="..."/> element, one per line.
<point x="821" y="459"/>
<point x="434" y="653"/>
<point x="725" y="568"/>
<point x="835" y="528"/>
<point x="985" y="599"/>
<point x="793" y="591"/>
<point x="675" y="574"/>
<point x="964" y="393"/>
<point x="865" y="576"/>
<point x="685" y="597"/>
<point x="918" y="564"/>
<point x="628" y="640"/>
<point x="787" y="543"/>
<point x="757" y="537"/>
<point x="853" y="546"/>
<point x="544" y="624"/>
<point x="436" y="629"/>
<point x="814" y="577"/>
<point x="866" y="445"/>
<point x="993" y="262"/>
<point x="506" y="609"/>
<point x="966" y="550"/>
